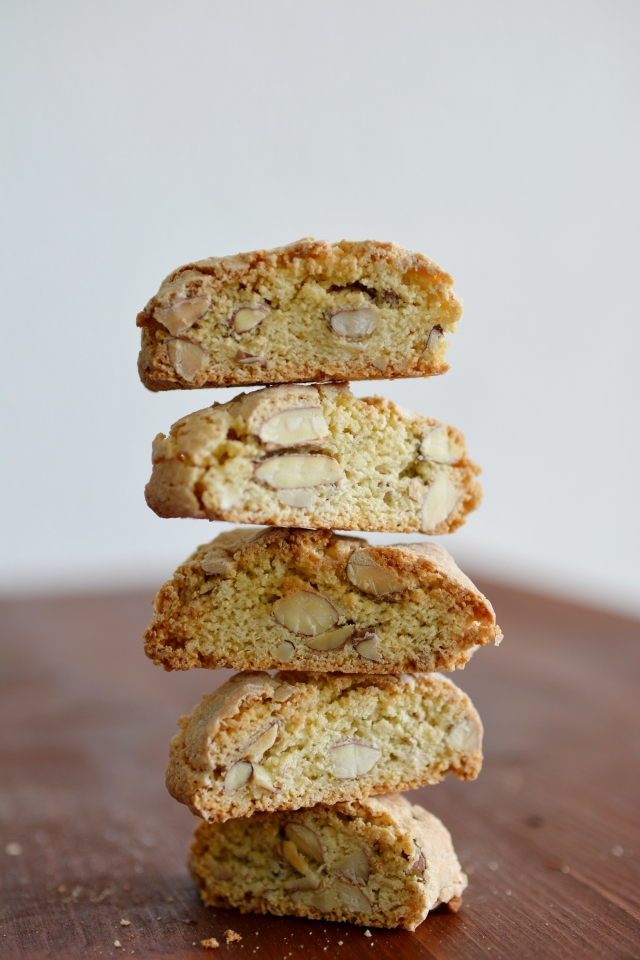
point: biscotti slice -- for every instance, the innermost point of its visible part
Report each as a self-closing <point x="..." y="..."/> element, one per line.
<point x="296" y="739"/>
<point x="313" y="310"/>
<point x="314" y="456"/>
<point x="270" y="598"/>
<point x="379" y="862"/>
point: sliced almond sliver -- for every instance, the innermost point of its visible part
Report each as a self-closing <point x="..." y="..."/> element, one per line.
<point x="247" y="317"/>
<point x="264" y="742"/>
<point x="285" y="651"/>
<point x="369" y="647"/>
<point x="438" y="446"/>
<point x="291" y="428"/>
<point x="370" y="577"/>
<point x="360" y="322"/>
<point x="188" y="358"/>
<point x="464" y="737"/>
<point x="353" y="897"/>
<point x="299" y="470"/>
<point x="353" y="759"/>
<point x="439" y="502"/>
<point x="237" y="776"/>
<point x="182" y="314"/>
<point x="305" y="613"/>
<point x="306" y="840"/>
<point x="355" y="866"/>
<point x="331" y="639"/>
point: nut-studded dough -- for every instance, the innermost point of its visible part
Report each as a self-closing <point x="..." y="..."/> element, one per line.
<point x="273" y="598"/>
<point x="379" y="862"/>
<point x="314" y="456"/>
<point x="312" y="310"/>
<point x="297" y="739"/>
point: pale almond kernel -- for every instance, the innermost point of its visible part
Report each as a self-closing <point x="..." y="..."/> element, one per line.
<point x="237" y="776"/>
<point x="285" y="651"/>
<point x="438" y="446"/>
<point x="332" y="639"/>
<point x="264" y="742"/>
<point x="262" y="779"/>
<point x="293" y="428"/>
<point x="182" y="314"/>
<point x="299" y="470"/>
<point x="355" y="866"/>
<point x="354" y="324"/>
<point x="415" y="489"/>
<point x="305" y="613"/>
<point x="464" y="737"/>
<point x="297" y="497"/>
<point x="435" y="335"/>
<point x="419" y="865"/>
<point x="370" y="577"/>
<point x="219" y="563"/>
<point x="306" y="840"/>
<point x="248" y="316"/>
<point x="353" y="759"/>
<point x="294" y="858"/>
<point x="353" y="897"/>
<point x="242" y="357"/>
<point x="188" y="358"/>
<point x="440" y="501"/>
<point x="302" y="883"/>
<point x="369" y="648"/>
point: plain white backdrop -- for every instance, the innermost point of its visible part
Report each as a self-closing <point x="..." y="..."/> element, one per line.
<point x="499" y="138"/>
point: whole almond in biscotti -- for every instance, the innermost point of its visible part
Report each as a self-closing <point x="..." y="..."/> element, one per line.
<point x="274" y="597"/>
<point x="297" y="739"/>
<point x="315" y="456"/>
<point x="310" y="311"/>
<point x="379" y="862"/>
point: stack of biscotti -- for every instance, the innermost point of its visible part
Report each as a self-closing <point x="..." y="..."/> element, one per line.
<point x="297" y="776"/>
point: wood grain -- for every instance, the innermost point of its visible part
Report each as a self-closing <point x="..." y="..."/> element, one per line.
<point x="549" y="834"/>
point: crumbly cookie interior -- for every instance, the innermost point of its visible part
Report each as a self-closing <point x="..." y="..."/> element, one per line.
<point x="403" y="733"/>
<point x="382" y="863"/>
<point x="212" y="465"/>
<point x="229" y="619"/>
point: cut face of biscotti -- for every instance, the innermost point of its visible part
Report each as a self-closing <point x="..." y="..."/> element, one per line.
<point x="310" y="311"/>
<point x="314" y="456"/>
<point x="380" y="862"/>
<point x="296" y="739"/>
<point x="262" y="599"/>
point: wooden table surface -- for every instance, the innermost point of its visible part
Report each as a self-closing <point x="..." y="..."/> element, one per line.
<point x="549" y="834"/>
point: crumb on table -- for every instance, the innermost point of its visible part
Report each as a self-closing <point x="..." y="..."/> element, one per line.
<point x="231" y="936"/>
<point x="210" y="944"/>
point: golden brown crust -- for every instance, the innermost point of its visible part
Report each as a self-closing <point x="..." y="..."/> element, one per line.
<point x="300" y="284"/>
<point x="208" y="466"/>
<point x="218" y="608"/>
<point x="401" y="733"/>
<point x="408" y="864"/>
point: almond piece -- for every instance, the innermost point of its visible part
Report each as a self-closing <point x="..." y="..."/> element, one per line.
<point x="353" y="897"/>
<point x="434" y="336"/>
<point x="415" y="489"/>
<point x="294" y="427"/>
<point x="188" y="358"/>
<point x="324" y="901"/>
<point x="354" y="324"/>
<point x="332" y="639"/>
<point x="306" y="840"/>
<point x="369" y="647"/>
<point x="264" y="742"/>
<point x="302" y="883"/>
<point x="464" y="736"/>
<point x="237" y="776"/>
<point x="182" y="314"/>
<point x="294" y="858"/>
<point x="353" y="758"/>
<point x="438" y="446"/>
<point x="298" y="497"/>
<point x="419" y="865"/>
<point x="285" y="651"/>
<point x="370" y="577"/>
<point x="242" y="357"/>
<point x="305" y="613"/>
<point x="355" y="867"/>
<point x="218" y="562"/>
<point x="248" y="316"/>
<point x="299" y="470"/>
<point x="262" y="779"/>
<point x="439" y="502"/>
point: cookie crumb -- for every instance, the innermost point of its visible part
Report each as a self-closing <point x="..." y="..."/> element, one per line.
<point x="125" y="923"/>
<point x="210" y="944"/>
<point x="367" y="933"/>
<point x="231" y="936"/>
<point x="13" y="849"/>
<point x="117" y="943"/>
<point x="454" y="904"/>
<point x="169" y="899"/>
<point x="617" y="851"/>
<point x="62" y="888"/>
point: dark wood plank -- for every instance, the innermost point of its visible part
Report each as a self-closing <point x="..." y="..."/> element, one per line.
<point x="549" y="833"/>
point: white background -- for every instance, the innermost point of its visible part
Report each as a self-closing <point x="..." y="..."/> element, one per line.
<point x="499" y="138"/>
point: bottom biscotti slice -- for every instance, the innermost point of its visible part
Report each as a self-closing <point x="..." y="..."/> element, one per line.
<point x="298" y="739"/>
<point x="381" y="862"/>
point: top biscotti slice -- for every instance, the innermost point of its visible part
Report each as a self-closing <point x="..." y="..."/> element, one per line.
<point x="314" y="456"/>
<point x="313" y="310"/>
<point x="297" y="739"/>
